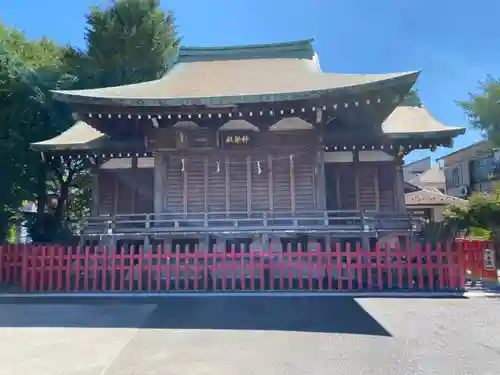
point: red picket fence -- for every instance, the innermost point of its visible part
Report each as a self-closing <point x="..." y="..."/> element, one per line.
<point x="342" y="268"/>
<point x="478" y="258"/>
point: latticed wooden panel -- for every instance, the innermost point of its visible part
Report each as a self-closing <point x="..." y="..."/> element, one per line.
<point x="125" y="191"/>
<point x="386" y="180"/>
<point x="195" y="173"/>
<point x="260" y="183"/>
<point x="144" y="193"/>
<point x="304" y="182"/>
<point x="282" y="199"/>
<point x="347" y="187"/>
<point x="367" y="177"/>
<point x="332" y="182"/>
<point x="216" y="182"/>
<point x="106" y="186"/>
<point x="174" y="185"/>
<point x="238" y="184"/>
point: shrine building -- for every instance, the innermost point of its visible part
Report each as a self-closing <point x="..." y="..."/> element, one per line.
<point x="252" y="145"/>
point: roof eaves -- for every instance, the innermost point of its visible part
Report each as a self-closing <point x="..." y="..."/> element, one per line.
<point x="485" y="142"/>
<point x="416" y="161"/>
<point x="75" y="96"/>
<point x="452" y="132"/>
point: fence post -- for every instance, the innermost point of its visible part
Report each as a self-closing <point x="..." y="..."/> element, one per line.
<point x="459" y="252"/>
<point x="2" y="263"/>
<point x="8" y="264"/>
<point x="24" y="267"/>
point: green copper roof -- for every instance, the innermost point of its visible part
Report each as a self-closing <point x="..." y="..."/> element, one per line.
<point x="239" y="75"/>
<point x="302" y="49"/>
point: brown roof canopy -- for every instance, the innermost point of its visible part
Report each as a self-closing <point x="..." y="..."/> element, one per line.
<point x="81" y="137"/>
<point x="417" y="121"/>
<point x="238" y="75"/>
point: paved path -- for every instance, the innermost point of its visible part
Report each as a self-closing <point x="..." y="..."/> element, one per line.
<point x="250" y="335"/>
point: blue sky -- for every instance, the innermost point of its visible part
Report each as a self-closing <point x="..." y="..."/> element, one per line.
<point x="454" y="42"/>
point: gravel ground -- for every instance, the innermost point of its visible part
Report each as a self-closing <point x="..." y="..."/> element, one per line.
<point x="249" y="335"/>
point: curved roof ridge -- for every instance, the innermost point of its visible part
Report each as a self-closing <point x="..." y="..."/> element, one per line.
<point x="301" y="49"/>
<point x="248" y="46"/>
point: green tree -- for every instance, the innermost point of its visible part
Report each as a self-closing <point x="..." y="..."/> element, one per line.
<point x="128" y="42"/>
<point x="28" y="69"/>
<point x="482" y="213"/>
<point x="412" y="99"/>
<point x="483" y="109"/>
<point x="481" y="216"/>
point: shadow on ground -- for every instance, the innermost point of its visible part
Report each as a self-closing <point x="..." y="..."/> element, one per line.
<point x="306" y="314"/>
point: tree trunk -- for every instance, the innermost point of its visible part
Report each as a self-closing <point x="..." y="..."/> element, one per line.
<point x="62" y="201"/>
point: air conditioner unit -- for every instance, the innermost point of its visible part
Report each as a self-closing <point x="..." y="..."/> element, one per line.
<point x="465" y="191"/>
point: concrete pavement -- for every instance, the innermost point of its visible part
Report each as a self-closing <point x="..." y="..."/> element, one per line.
<point x="250" y="335"/>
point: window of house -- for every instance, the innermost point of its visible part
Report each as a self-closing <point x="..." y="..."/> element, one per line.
<point x="482" y="169"/>
<point x="455" y="177"/>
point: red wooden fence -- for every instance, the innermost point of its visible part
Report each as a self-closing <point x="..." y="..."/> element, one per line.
<point x="342" y="268"/>
<point x="478" y="258"/>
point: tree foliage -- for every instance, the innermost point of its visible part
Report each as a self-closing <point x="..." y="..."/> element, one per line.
<point x="131" y="41"/>
<point x="481" y="214"/>
<point x="412" y="99"/>
<point x="127" y="42"/>
<point x="28" y="69"/>
<point x="483" y="109"/>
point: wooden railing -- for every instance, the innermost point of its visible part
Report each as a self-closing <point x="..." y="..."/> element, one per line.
<point x="239" y="222"/>
<point x="342" y="268"/>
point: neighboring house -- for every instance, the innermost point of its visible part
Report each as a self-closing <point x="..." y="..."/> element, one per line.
<point x="413" y="169"/>
<point x="424" y="192"/>
<point x="470" y="169"/>
<point x="432" y="178"/>
<point x="430" y="203"/>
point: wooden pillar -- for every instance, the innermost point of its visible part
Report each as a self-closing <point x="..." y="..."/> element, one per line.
<point x="116" y="192"/>
<point x="356" y="178"/>
<point x="271" y="182"/>
<point x="185" y="187"/>
<point x="338" y="186"/>
<point x="95" y="192"/>
<point x="249" y="185"/>
<point x="292" y="185"/>
<point x="399" y="194"/>
<point x="376" y="187"/>
<point x="228" y="184"/>
<point x="158" y="176"/>
<point x="205" y="183"/>
<point x="135" y="184"/>
<point x="320" y="180"/>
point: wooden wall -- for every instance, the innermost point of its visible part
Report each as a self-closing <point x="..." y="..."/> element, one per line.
<point x="235" y="185"/>
<point x="231" y="182"/>
<point x="279" y="172"/>
<point x="361" y="186"/>
<point x="124" y="191"/>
